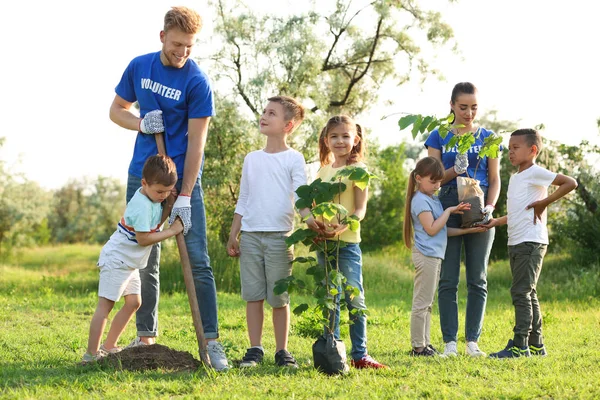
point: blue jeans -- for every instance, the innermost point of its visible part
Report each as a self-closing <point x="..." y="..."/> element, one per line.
<point x="350" y="264"/>
<point x="146" y="317"/>
<point x="477" y="252"/>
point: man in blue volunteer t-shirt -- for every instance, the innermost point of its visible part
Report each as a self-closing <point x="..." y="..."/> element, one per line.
<point x="175" y="97"/>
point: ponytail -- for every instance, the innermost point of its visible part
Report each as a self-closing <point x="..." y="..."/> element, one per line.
<point x="410" y="191"/>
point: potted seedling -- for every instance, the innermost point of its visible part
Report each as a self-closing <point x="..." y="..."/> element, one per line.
<point x="468" y="187"/>
<point x="329" y="354"/>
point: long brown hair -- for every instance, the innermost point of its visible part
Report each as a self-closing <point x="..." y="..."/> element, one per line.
<point x="426" y="167"/>
<point x="358" y="150"/>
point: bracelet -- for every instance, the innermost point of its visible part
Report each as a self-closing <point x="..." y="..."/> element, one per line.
<point x="491" y="205"/>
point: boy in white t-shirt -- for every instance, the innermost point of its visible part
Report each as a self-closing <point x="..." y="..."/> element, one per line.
<point x="127" y="251"/>
<point x="265" y="217"/>
<point x="527" y="200"/>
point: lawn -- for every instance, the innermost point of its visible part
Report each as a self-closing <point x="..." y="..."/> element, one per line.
<point x="48" y="295"/>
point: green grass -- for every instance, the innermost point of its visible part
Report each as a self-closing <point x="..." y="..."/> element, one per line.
<point x="47" y="297"/>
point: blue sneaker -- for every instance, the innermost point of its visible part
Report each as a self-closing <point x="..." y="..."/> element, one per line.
<point x="512" y="351"/>
<point x="538" y="350"/>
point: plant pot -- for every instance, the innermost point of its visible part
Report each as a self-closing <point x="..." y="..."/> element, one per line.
<point x="329" y="355"/>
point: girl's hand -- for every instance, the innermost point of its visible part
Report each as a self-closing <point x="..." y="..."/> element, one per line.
<point x="333" y="230"/>
<point x="315" y="225"/>
<point x="459" y="209"/>
<point x="493" y="222"/>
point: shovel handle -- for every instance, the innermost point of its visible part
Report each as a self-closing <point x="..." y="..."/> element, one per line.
<point x="188" y="278"/>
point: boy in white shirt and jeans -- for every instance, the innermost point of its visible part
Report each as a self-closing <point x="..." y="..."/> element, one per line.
<point x="265" y="216"/>
<point x="527" y="200"/>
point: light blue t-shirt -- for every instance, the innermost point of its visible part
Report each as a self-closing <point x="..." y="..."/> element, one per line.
<point x="141" y="215"/>
<point x="449" y="155"/>
<point x="181" y="93"/>
<point x="430" y="246"/>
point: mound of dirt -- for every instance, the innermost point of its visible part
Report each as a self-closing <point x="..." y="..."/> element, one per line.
<point x="155" y="356"/>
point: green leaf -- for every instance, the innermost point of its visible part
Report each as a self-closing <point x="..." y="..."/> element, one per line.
<point x="353" y="224"/>
<point x="281" y="286"/>
<point x="416" y="126"/>
<point x="333" y="291"/>
<point x="300" y="309"/>
<point x="425" y="124"/>
<point x="405" y="121"/>
<point x="304" y="192"/>
<point x="303" y="203"/>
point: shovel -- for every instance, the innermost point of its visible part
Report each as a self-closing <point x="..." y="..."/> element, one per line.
<point x="188" y="277"/>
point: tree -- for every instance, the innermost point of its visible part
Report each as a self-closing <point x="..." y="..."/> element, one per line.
<point x="333" y="57"/>
<point x="23" y="207"/>
<point x="85" y="211"/>
<point x="385" y="214"/>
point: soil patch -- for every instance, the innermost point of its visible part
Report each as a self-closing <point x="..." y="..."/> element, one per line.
<point x="155" y="356"/>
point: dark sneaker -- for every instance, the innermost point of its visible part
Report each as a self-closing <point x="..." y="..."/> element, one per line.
<point x="538" y="350"/>
<point x="512" y="351"/>
<point x="367" y="362"/>
<point x="435" y="351"/>
<point x="253" y="357"/>
<point x="426" y="352"/>
<point x="284" y="358"/>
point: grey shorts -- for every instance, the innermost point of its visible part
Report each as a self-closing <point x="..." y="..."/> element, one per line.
<point x="264" y="259"/>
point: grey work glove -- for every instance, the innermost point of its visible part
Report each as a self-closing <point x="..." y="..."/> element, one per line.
<point x="152" y="123"/>
<point x="461" y="163"/>
<point x="487" y="214"/>
<point x="182" y="209"/>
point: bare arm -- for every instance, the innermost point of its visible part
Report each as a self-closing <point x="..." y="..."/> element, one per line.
<point x="148" y="238"/>
<point x="233" y="244"/>
<point x="360" y="202"/>
<point x="122" y="115"/>
<point x="465" y="231"/>
<point x="565" y="185"/>
<point x="197" y="132"/>
<point x="450" y="173"/>
<point x="433" y="227"/>
<point x="493" y="181"/>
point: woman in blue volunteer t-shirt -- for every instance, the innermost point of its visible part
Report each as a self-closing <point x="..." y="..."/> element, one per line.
<point x="477" y="245"/>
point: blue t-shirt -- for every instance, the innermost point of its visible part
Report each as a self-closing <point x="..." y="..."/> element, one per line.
<point x="430" y="246"/>
<point x="181" y="93"/>
<point x="449" y="155"/>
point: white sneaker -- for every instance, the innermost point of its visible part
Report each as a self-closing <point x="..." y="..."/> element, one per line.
<point x="450" y="350"/>
<point x="217" y="356"/>
<point x="473" y="350"/>
<point x="135" y="343"/>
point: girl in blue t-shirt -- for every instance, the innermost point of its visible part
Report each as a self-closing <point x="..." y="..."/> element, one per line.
<point x="463" y="103"/>
<point x="425" y="213"/>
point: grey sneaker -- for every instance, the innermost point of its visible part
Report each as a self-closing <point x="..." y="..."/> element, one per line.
<point x="88" y="358"/>
<point x="217" y="356"/>
<point x="473" y="350"/>
<point x="450" y="350"/>
<point x="136" y="343"/>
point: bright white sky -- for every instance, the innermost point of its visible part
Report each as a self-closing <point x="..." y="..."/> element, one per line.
<point x="533" y="61"/>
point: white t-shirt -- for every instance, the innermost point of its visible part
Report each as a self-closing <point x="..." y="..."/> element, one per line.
<point x="141" y="215"/>
<point x="523" y="189"/>
<point x="268" y="190"/>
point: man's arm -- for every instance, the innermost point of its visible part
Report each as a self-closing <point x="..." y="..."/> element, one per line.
<point x="197" y="133"/>
<point x="120" y="114"/>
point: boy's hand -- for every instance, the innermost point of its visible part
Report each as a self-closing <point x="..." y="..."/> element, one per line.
<point x="492" y="223"/>
<point x="233" y="246"/>
<point x="176" y="226"/>
<point x="538" y="209"/>
<point x="459" y="209"/>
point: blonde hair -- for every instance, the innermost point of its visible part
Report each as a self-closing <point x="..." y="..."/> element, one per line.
<point x="358" y="150"/>
<point x="428" y="166"/>
<point x="292" y="109"/>
<point x="184" y="19"/>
